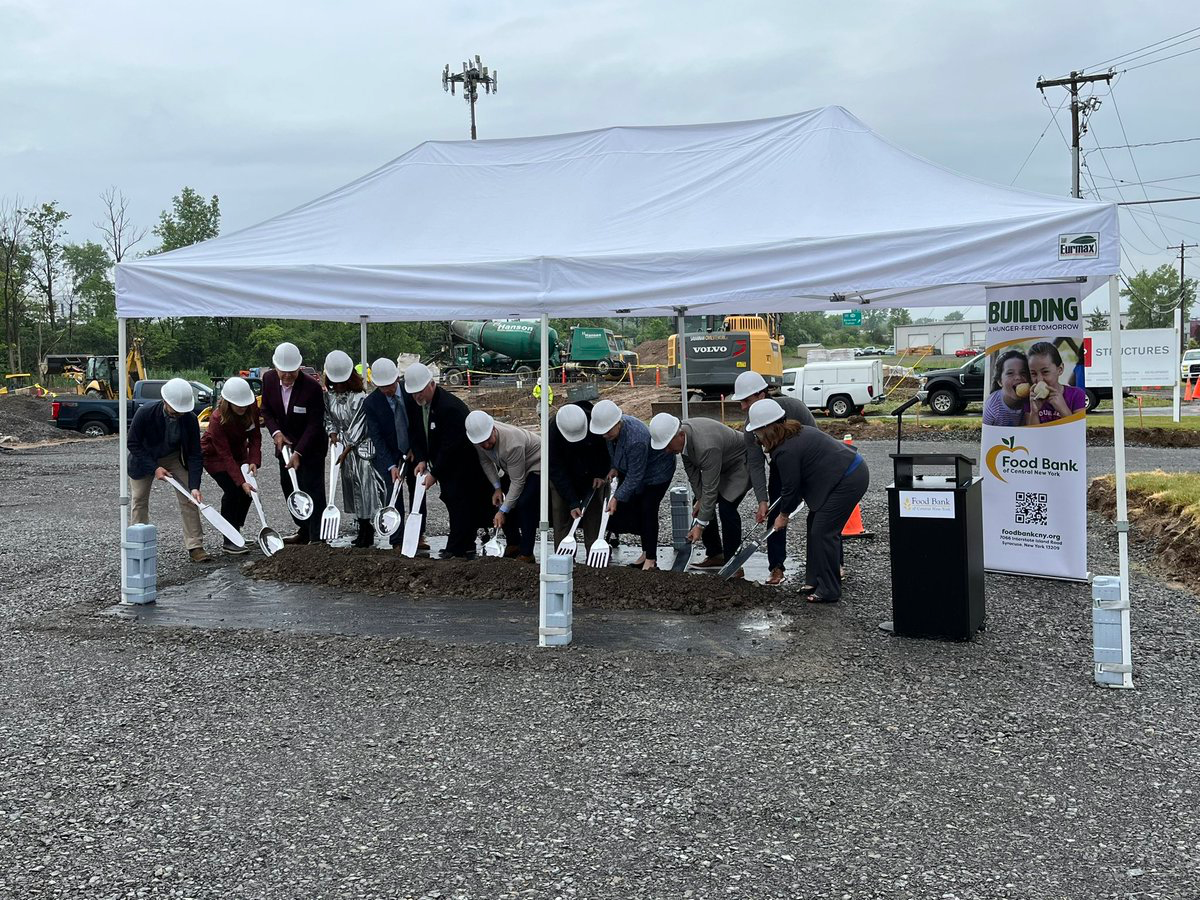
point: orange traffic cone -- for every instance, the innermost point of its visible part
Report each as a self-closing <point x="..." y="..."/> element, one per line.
<point x="1190" y="394"/>
<point x="854" y="525"/>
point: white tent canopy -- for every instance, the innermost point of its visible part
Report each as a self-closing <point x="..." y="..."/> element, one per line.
<point x="803" y="212"/>
<point x="775" y="215"/>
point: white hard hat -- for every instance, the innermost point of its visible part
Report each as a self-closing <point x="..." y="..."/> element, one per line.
<point x="416" y="377"/>
<point x="572" y="423"/>
<point x="178" y="395"/>
<point x="237" y="391"/>
<point x="287" y="357"/>
<point x="605" y="415"/>
<point x="384" y="372"/>
<point x="479" y="426"/>
<point x="747" y="385"/>
<point x="339" y="366"/>
<point x="763" y="412"/>
<point x="663" y="429"/>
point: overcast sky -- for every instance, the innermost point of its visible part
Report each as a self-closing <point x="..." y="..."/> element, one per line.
<point x="269" y="103"/>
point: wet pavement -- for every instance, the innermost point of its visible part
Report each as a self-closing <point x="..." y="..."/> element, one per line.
<point x="226" y="599"/>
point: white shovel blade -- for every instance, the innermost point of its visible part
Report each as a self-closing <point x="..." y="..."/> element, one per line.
<point x="218" y="522"/>
<point x="412" y="535"/>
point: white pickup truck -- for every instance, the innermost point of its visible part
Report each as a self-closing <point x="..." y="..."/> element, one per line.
<point x="839" y="387"/>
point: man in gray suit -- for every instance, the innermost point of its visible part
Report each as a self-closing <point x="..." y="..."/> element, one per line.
<point x="748" y="388"/>
<point x="714" y="458"/>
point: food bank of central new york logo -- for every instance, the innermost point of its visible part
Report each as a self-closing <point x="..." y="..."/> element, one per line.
<point x="1006" y="445"/>
<point x="1005" y="453"/>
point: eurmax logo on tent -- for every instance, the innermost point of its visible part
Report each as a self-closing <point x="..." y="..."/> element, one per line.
<point x="1079" y="246"/>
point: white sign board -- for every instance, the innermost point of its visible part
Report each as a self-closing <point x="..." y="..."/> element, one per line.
<point x="1149" y="357"/>
<point x="927" y="504"/>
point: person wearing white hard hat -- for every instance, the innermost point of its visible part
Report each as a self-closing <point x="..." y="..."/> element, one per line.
<point x="388" y="427"/>
<point x="233" y="438"/>
<point x="749" y="388"/>
<point x="714" y="458"/>
<point x="578" y="465"/>
<point x="346" y="424"/>
<point x="512" y="461"/>
<point x="443" y="455"/>
<point x="164" y="439"/>
<point x="293" y="410"/>
<point x="828" y="475"/>
<point x="644" y="473"/>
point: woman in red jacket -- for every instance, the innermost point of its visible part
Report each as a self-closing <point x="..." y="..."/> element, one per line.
<point x="233" y="437"/>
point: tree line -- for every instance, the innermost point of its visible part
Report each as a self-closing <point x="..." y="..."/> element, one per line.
<point x="58" y="297"/>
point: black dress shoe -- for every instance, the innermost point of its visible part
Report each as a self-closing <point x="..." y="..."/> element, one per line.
<point x="298" y="538"/>
<point x="446" y="554"/>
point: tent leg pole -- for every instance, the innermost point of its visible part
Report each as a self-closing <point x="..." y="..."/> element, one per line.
<point x="1122" y="524"/>
<point x="554" y="586"/>
<point x="122" y="447"/>
<point x="362" y="346"/>
<point x="1178" y="343"/>
<point x="681" y="352"/>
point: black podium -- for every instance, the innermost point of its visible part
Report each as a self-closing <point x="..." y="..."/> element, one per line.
<point x="937" y="546"/>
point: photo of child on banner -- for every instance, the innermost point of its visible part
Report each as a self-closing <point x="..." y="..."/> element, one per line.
<point x="1035" y="382"/>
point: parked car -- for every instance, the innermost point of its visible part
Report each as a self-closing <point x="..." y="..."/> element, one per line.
<point x="96" y="417"/>
<point x="869" y="351"/>
<point x="890" y="351"/>
<point x="1189" y="366"/>
<point x="968" y="351"/>
<point x="839" y="387"/>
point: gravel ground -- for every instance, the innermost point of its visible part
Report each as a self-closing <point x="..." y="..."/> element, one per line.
<point x="145" y="762"/>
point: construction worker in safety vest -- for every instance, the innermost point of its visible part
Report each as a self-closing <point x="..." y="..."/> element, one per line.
<point x="537" y="393"/>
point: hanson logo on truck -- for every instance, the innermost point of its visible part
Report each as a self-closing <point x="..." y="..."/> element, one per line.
<point x="1079" y="246"/>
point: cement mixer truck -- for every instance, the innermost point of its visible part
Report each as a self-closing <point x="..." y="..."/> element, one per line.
<point x="513" y="347"/>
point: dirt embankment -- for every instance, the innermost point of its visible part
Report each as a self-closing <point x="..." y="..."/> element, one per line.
<point x="652" y="353"/>
<point x="384" y="573"/>
<point x="26" y="420"/>
<point x="1158" y="522"/>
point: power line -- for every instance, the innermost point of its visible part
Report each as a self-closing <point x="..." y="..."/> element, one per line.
<point x="1158" y="181"/>
<point x="1140" y="49"/>
<point x="1164" y="59"/>
<point x="1121" y="122"/>
<point x="1053" y="121"/>
<point x="1151" y="143"/>
<point x="1121" y="194"/>
<point x="1128" y="59"/>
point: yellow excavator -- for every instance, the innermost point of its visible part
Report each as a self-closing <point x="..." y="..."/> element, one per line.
<point x="100" y="375"/>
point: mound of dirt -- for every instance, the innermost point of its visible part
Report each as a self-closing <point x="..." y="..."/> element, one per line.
<point x="1172" y="536"/>
<point x="25" y="420"/>
<point x="382" y="573"/>
<point x="652" y="353"/>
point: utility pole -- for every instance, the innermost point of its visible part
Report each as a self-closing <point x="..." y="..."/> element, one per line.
<point x="1183" y="328"/>
<point x="1079" y="113"/>
<point x="472" y="76"/>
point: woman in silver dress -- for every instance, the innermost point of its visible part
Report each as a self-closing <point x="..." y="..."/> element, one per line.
<point x="346" y="423"/>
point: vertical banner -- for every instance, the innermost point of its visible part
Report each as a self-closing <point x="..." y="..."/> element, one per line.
<point x="1034" y="434"/>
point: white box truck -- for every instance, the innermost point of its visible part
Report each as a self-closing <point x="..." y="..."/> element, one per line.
<point x="839" y="387"/>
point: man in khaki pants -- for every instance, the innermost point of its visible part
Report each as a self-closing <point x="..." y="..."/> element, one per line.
<point x="164" y="439"/>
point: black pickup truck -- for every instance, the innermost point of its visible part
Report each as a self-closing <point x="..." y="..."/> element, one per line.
<point x="97" y="417"/>
<point x="948" y="391"/>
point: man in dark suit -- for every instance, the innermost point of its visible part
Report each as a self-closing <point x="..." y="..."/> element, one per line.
<point x="444" y="455"/>
<point x="389" y="428"/>
<point x="293" y="409"/>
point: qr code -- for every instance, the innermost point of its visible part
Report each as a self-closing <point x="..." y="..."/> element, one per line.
<point x="1032" y="509"/>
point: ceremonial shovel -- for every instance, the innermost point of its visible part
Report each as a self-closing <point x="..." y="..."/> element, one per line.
<point x="331" y="519"/>
<point x="299" y="503"/>
<point x="599" y="552"/>
<point x="388" y="519"/>
<point x="750" y="546"/>
<point x="269" y="541"/>
<point x="568" y="545"/>
<point x="215" y="518"/>
<point x="492" y="547"/>
<point x="412" y="525"/>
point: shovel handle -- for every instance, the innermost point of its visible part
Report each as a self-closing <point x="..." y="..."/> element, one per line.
<point x="287" y="461"/>
<point x="179" y="487"/>
<point x="335" y="453"/>
<point x="253" y="482"/>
